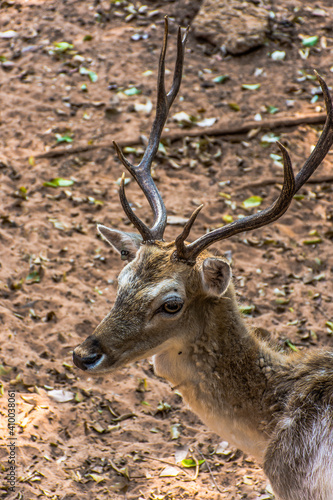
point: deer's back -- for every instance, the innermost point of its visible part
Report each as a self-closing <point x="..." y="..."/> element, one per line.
<point x="299" y="458"/>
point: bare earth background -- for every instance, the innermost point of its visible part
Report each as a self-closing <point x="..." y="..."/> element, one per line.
<point x="58" y="278"/>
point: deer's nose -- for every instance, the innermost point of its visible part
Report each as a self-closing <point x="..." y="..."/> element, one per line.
<point x="86" y="362"/>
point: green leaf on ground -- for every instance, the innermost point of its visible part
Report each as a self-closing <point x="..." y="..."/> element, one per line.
<point x="248" y="86"/>
<point x="63" y="138"/>
<point x="253" y="201"/>
<point x="291" y="345"/>
<point x="62" y="46"/>
<point x="189" y="462"/>
<point x="310" y="41"/>
<point x="247" y="309"/>
<point x="132" y="91"/>
<point x="312" y="241"/>
<point x="221" y="79"/>
<point x="330" y="325"/>
<point x="59" y="182"/>
<point x="92" y="75"/>
<point x="33" y="277"/>
<point x="272" y="109"/>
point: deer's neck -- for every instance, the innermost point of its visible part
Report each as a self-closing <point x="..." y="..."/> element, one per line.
<point x="222" y="371"/>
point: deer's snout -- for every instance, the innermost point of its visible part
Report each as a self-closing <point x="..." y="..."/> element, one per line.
<point x="86" y="362"/>
<point x="88" y="355"/>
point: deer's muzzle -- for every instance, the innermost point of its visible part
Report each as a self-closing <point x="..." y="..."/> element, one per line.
<point x="88" y="361"/>
<point x="88" y="355"/>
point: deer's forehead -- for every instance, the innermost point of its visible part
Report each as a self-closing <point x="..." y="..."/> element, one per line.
<point x="150" y="265"/>
<point x="154" y="290"/>
<point x="149" y="277"/>
<point x="147" y="286"/>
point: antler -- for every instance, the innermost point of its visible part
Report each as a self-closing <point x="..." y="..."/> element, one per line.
<point x="142" y="172"/>
<point x="291" y="185"/>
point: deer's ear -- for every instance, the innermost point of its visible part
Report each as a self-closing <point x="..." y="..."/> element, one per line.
<point x="216" y="275"/>
<point x="127" y="244"/>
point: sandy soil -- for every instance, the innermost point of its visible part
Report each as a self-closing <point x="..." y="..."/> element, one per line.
<point x="58" y="278"/>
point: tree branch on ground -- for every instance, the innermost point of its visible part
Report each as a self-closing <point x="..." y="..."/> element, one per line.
<point x="279" y="180"/>
<point x="225" y="130"/>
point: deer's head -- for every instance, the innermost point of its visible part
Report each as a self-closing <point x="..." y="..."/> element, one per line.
<point x="166" y="289"/>
<point x="158" y="301"/>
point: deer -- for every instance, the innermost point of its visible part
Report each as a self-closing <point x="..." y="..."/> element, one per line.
<point x="176" y="303"/>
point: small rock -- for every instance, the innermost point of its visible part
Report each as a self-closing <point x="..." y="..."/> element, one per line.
<point x="8" y="65"/>
<point x="110" y="112"/>
<point x="237" y="26"/>
<point x="8" y="34"/>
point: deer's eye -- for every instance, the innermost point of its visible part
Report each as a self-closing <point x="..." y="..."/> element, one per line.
<point x="172" y="306"/>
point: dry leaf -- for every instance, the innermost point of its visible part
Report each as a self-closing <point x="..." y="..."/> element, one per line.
<point x="169" y="471"/>
<point x="61" y="396"/>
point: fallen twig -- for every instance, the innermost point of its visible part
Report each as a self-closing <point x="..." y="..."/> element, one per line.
<point x="243" y="127"/>
<point x="279" y="180"/>
<point x="210" y="471"/>
<point x="123" y="417"/>
<point x="168" y="463"/>
<point x="114" y="467"/>
<point x="219" y="130"/>
<point x="196" y="468"/>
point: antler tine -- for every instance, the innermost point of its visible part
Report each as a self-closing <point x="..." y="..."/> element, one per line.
<point x="178" y="66"/>
<point x="142" y="172"/>
<point x="141" y="226"/>
<point x="180" y="240"/>
<point x="324" y="143"/>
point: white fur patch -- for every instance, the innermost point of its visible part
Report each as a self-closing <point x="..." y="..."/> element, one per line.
<point x="157" y="289"/>
<point x="126" y="276"/>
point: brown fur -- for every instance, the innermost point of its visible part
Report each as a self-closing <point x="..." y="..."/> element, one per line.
<point x="275" y="406"/>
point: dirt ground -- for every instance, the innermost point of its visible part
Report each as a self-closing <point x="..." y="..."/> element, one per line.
<point x="118" y="433"/>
